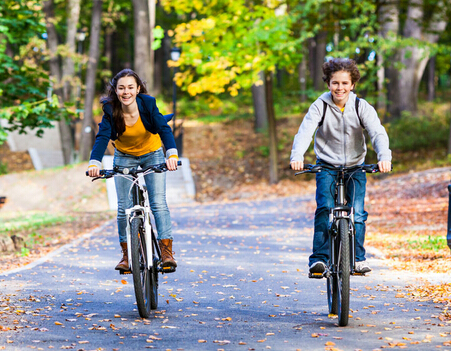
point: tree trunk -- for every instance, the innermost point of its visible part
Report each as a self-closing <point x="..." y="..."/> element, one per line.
<point x="388" y="14"/>
<point x="55" y="71"/>
<point x="320" y="53"/>
<point x="166" y="71"/>
<point x="431" y="79"/>
<point x="415" y="58"/>
<point x="68" y="63"/>
<point x="108" y="51"/>
<point x="260" y="108"/>
<point x="158" y="72"/>
<point x="94" y="53"/>
<point x="380" y="103"/>
<point x="302" y="71"/>
<point x="152" y="9"/>
<point x="66" y="133"/>
<point x="272" y="129"/>
<point x="142" y="62"/>
<point x="52" y="43"/>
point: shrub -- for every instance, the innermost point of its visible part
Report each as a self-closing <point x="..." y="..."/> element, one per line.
<point x="412" y="133"/>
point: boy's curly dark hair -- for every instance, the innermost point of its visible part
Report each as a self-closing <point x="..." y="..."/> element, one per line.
<point x="340" y="64"/>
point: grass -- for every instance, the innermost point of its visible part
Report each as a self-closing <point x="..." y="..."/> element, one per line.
<point x="31" y="221"/>
<point x="432" y="243"/>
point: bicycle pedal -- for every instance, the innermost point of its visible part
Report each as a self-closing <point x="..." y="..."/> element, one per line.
<point x="356" y="273"/>
<point x="124" y="272"/>
<point x="168" y="269"/>
<point x="316" y="275"/>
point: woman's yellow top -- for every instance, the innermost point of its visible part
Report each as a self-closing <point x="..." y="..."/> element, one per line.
<point x="138" y="141"/>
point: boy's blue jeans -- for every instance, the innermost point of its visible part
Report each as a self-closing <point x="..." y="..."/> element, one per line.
<point x="156" y="188"/>
<point x="355" y="195"/>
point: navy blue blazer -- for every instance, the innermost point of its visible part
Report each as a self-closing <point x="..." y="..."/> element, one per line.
<point x="151" y="117"/>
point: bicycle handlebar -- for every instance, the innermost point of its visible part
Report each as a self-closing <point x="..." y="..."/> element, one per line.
<point x="108" y="173"/>
<point x="368" y="168"/>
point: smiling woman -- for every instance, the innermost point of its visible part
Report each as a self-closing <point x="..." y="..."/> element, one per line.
<point x="132" y="119"/>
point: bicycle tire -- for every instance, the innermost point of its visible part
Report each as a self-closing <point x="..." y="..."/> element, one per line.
<point x="141" y="274"/>
<point x="332" y="284"/>
<point x="344" y="273"/>
<point x="332" y="293"/>
<point x="154" y="277"/>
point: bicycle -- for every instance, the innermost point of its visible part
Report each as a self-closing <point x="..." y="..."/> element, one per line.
<point x="143" y="250"/>
<point x="341" y="231"/>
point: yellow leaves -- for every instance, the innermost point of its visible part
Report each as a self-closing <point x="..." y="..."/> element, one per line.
<point x="123" y="281"/>
<point x="201" y="341"/>
<point x="58" y="323"/>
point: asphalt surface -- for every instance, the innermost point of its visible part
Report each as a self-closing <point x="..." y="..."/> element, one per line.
<point x="241" y="284"/>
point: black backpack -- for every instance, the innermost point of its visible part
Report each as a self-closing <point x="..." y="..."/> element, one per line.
<point x="357" y="101"/>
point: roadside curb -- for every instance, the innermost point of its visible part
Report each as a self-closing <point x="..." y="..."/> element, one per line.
<point x="57" y="251"/>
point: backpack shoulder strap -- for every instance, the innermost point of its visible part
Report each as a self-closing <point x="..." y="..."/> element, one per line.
<point x="324" y="114"/>
<point x="357" y="102"/>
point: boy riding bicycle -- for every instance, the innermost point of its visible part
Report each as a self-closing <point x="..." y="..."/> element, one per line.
<point x="339" y="118"/>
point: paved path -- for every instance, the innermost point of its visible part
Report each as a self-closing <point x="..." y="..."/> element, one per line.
<point x="241" y="285"/>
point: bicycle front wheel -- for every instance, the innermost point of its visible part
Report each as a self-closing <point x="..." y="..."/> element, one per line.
<point x="344" y="272"/>
<point x="332" y="293"/>
<point x="142" y="276"/>
<point x="153" y="289"/>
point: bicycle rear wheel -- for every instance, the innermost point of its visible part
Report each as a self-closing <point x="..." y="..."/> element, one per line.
<point x="344" y="272"/>
<point x="142" y="276"/>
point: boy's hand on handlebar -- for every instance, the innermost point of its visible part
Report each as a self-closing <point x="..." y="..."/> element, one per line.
<point x="171" y="163"/>
<point x="94" y="171"/>
<point x="384" y="166"/>
<point x="297" y="165"/>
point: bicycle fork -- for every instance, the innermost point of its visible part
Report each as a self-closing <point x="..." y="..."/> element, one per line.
<point x="337" y="213"/>
<point x="143" y="213"/>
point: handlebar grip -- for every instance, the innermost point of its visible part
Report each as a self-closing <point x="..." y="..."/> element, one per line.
<point x="102" y="172"/>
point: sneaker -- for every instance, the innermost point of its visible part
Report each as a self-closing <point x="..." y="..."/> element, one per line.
<point x="317" y="267"/>
<point x="362" y="267"/>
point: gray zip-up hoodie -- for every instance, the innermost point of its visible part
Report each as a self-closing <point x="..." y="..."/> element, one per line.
<point x="340" y="141"/>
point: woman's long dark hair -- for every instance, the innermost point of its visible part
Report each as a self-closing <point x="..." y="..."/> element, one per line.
<point x="111" y="97"/>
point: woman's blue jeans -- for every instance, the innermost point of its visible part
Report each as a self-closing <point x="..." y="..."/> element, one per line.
<point x="156" y="188"/>
<point x="355" y="195"/>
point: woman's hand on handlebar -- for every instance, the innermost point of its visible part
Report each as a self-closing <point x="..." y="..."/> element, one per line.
<point x="297" y="165"/>
<point x="384" y="166"/>
<point x="94" y="171"/>
<point x="171" y="164"/>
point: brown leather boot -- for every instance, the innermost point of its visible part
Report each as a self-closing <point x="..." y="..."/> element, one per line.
<point x="123" y="263"/>
<point x="166" y="253"/>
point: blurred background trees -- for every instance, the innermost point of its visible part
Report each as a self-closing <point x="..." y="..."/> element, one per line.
<point x="260" y="58"/>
